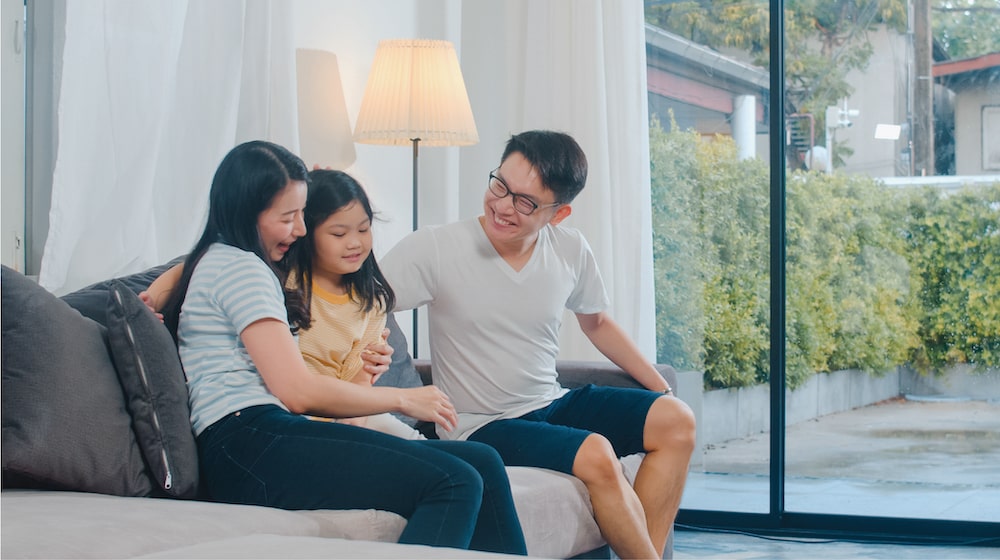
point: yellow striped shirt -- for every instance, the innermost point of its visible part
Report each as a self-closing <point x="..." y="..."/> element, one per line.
<point x="340" y="331"/>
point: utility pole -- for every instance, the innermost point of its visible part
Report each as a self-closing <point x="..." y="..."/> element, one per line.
<point x="922" y="129"/>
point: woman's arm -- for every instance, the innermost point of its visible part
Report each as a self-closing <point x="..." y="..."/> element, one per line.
<point x="276" y="354"/>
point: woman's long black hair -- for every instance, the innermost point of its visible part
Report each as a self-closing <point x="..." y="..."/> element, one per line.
<point x="330" y="191"/>
<point x="245" y="184"/>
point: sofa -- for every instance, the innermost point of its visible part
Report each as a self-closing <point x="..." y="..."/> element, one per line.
<point x="99" y="460"/>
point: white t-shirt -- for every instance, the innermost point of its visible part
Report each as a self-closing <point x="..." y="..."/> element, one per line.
<point x="494" y="331"/>
<point x="230" y="289"/>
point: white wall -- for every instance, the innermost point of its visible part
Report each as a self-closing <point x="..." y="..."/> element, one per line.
<point x="12" y="151"/>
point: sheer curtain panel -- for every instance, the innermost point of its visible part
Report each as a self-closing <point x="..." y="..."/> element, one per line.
<point x="151" y="97"/>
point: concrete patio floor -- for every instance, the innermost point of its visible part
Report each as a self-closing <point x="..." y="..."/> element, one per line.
<point x="918" y="458"/>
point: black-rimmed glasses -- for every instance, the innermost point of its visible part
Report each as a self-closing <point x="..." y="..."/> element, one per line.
<point x="522" y="203"/>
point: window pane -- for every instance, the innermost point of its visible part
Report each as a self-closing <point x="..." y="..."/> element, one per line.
<point x="710" y="189"/>
<point x="892" y="274"/>
<point x="892" y="134"/>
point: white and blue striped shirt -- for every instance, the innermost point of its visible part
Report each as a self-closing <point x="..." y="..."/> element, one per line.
<point x="229" y="290"/>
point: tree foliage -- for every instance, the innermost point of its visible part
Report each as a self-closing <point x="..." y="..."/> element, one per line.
<point x="967" y="28"/>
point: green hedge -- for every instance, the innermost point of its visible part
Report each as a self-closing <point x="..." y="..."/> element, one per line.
<point x="875" y="277"/>
<point x="954" y="246"/>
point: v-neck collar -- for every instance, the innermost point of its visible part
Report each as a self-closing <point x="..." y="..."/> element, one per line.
<point x="502" y="263"/>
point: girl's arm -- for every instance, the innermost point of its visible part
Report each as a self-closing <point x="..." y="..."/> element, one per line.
<point x="157" y="294"/>
<point x="276" y="354"/>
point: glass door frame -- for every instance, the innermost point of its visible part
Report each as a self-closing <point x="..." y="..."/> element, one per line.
<point x="777" y="521"/>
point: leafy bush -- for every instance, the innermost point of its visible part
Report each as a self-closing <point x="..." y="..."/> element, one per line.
<point x="875" y="277"/>
<point x="954" y="241"/>
<point x="710" y="235"/>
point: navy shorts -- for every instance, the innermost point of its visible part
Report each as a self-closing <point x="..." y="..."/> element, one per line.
<point x="550" y="437"/>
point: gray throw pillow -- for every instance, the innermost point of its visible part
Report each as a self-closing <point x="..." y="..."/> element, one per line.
<point x="401" y="372"/>
<point x="64" y="421"/>
<point x="151" y="375"/>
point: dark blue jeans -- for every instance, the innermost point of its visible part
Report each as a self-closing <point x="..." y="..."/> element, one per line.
<point x="452" y="493"/>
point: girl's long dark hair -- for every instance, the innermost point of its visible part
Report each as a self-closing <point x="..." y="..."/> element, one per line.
<point x="329" y="191"/>
<point x="245" y="184"/>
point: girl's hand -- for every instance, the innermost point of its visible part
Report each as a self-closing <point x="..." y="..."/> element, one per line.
<point x="377" y="357"/>
<point x="429" y="404"/>
<point x="145" y="298"/>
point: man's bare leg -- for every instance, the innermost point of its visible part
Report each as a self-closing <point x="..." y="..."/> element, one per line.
<point x="669" y="437"/>
<point x="617" y="509"/>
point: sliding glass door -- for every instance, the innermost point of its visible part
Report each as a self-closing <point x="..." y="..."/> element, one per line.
<point x="826" y="203"/>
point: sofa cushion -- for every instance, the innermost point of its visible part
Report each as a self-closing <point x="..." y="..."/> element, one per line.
<point x="282" y="546"/>
<point x="42" y="524"/>
<point x="151" y="375"/>
<point x="92" y="301"/>
<point x="64" y="420"/>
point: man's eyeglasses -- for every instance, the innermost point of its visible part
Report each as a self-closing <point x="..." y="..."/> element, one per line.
<point x="522" y="203"/>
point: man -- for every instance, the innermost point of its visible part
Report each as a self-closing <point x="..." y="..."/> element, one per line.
<point x="495" y="288"/>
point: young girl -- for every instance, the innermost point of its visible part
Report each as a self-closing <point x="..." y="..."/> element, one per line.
<point x="348" y="295"/>
<point x="233" y="317"/>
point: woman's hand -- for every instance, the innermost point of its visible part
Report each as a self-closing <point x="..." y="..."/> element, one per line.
<point x="376" y="358"/>
<point x="360" y="421"/>
<point x="428" y="403"/>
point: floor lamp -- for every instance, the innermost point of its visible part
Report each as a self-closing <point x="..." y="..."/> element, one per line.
<point x="415" y="96"/>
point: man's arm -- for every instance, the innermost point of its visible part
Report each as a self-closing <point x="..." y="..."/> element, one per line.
<point x="406" y="268"/>
<point x="608" y="337"/>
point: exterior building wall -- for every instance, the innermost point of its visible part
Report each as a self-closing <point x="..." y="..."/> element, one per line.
<point x="971" y="132"/>
<point x="880" y="97"/>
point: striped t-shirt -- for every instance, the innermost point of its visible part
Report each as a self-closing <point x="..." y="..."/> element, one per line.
<point x="229" y="290"/>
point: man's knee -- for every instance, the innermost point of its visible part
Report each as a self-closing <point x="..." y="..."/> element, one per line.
<point x="596" y="461"/>
<point x="669" y="424"/>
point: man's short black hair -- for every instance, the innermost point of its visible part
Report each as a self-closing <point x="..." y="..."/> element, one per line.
<point x="556" y="156"/>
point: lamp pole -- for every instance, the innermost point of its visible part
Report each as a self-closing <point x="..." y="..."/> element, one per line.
<point x="416" y="142"/>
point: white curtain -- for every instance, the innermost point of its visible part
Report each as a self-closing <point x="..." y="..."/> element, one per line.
<point x="152" y="95"/>
<point x="578" y="66"/>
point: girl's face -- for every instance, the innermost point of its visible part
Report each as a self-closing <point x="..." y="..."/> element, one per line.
<point x="342" y="242"/>
<point x="282" y="223"/>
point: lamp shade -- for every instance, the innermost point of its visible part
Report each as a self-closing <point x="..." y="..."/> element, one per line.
<point x="415" y="91"/>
